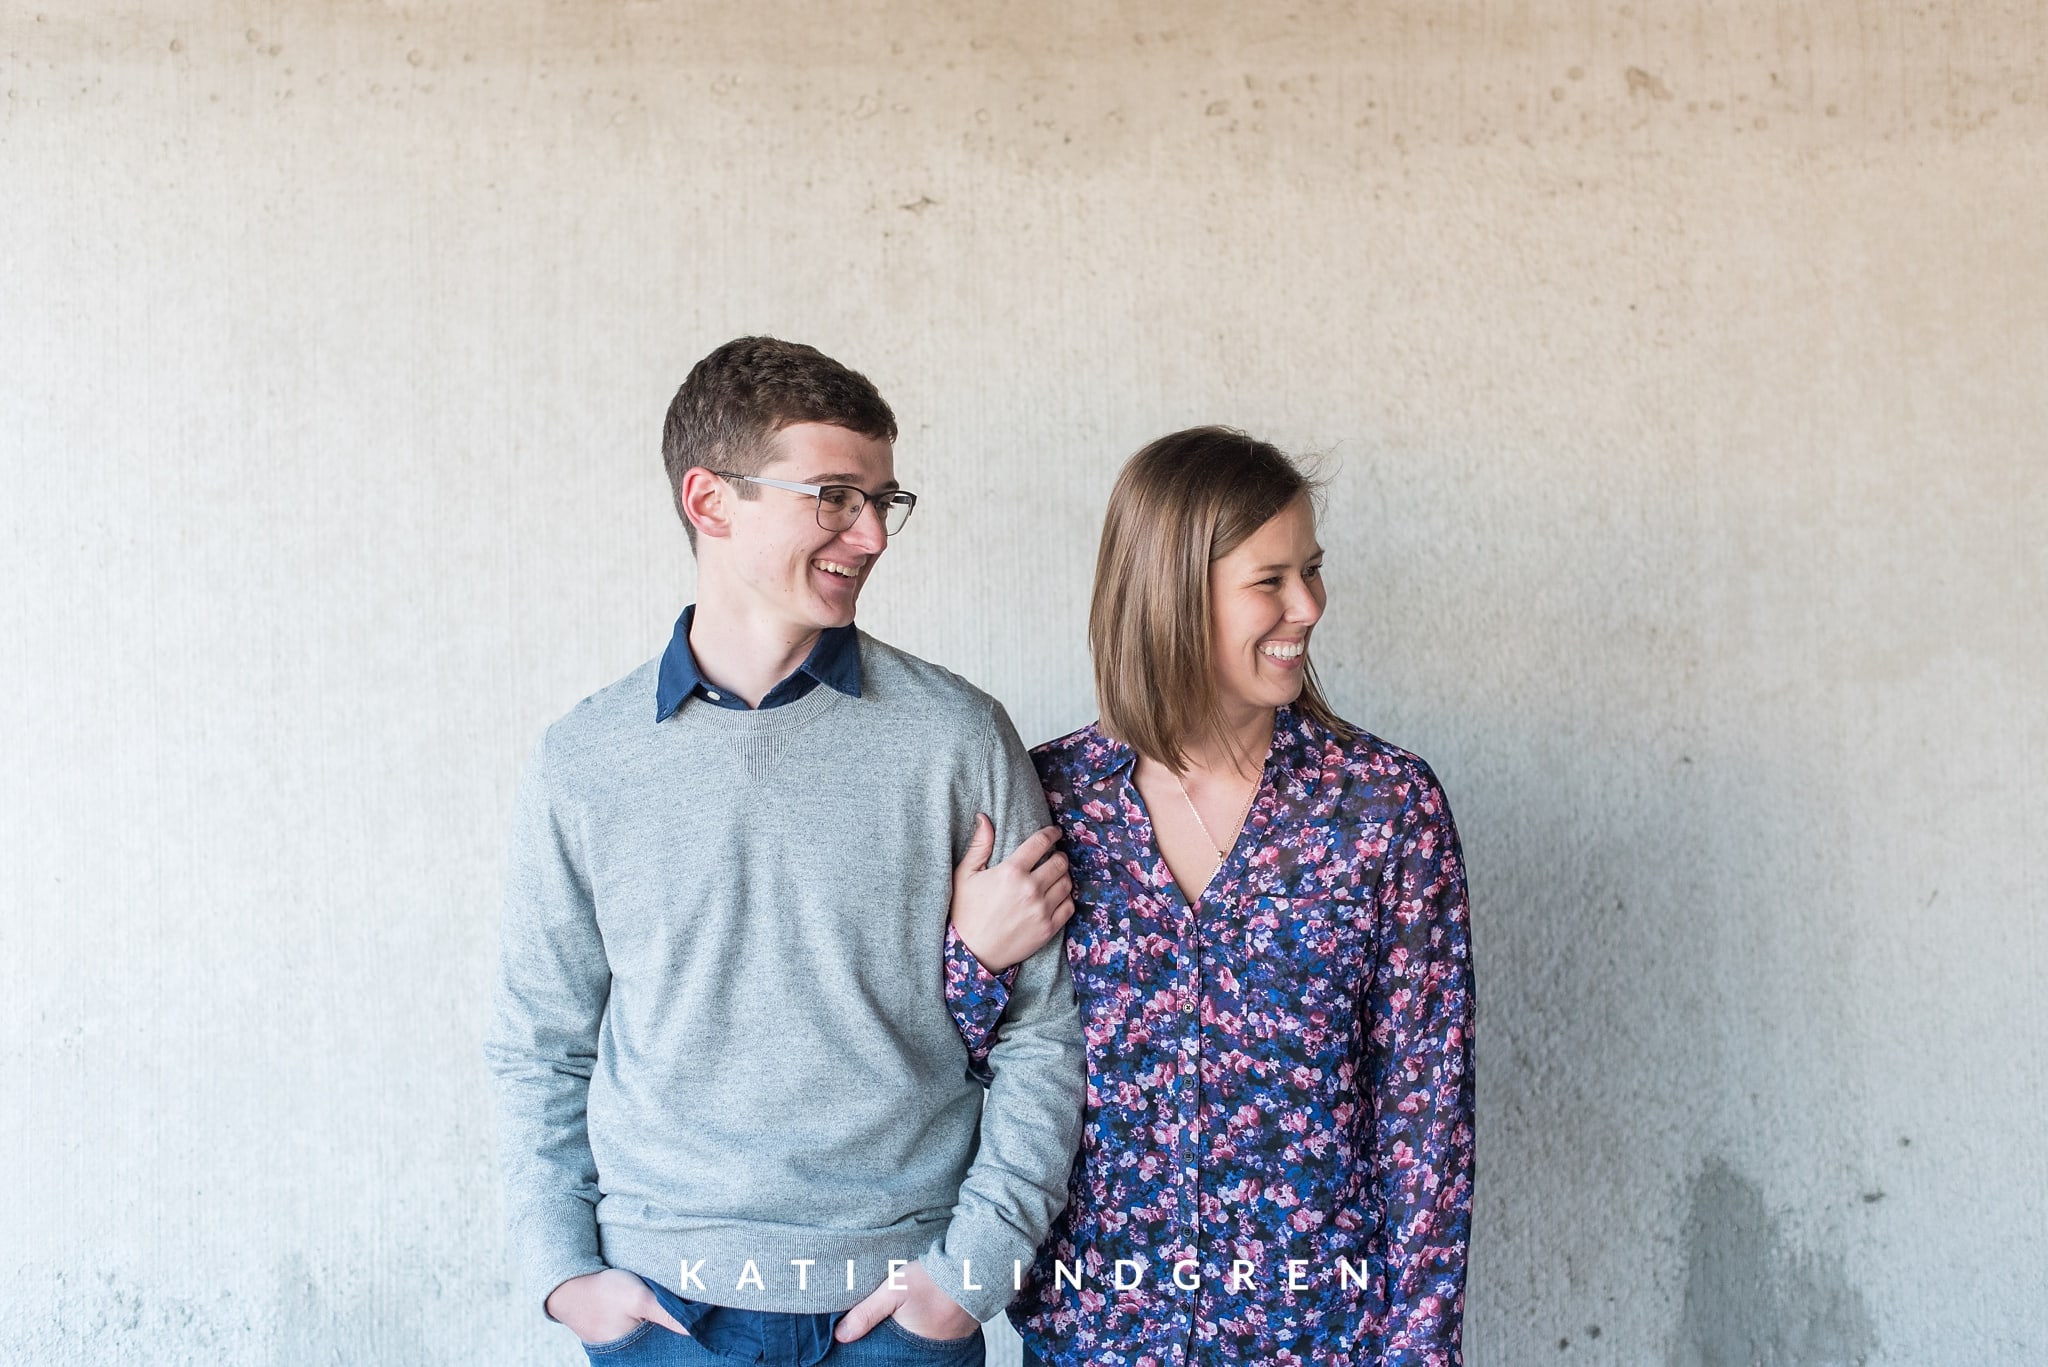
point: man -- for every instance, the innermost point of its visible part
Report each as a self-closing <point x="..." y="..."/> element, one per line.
<point x="735" y="1115"/>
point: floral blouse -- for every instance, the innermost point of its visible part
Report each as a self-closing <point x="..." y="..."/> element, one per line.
<point x="1276" y="1158"/>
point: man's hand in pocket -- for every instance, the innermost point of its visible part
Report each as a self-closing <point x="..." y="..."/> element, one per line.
<point x="918" y="1305"/>
<point x="601" y="1306"/>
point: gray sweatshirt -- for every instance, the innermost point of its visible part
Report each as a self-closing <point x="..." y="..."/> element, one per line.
<point x="723" y="1053"/>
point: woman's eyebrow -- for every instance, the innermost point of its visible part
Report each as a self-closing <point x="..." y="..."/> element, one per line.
<point x="1316" y="554"/>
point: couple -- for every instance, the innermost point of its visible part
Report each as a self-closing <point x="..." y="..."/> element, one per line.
<point x="790" y="1069"/>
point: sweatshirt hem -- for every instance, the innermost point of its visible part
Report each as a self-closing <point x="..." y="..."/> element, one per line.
<point x="781" y="1270"/>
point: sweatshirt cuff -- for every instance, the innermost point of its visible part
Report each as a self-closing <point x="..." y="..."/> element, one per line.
<point x="559" y="1254"/>
<point x="982" y="1289"/>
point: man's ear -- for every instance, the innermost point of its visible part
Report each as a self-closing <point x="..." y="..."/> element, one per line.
<point x="704" y="500"/>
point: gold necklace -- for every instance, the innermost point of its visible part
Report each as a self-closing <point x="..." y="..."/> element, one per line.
<point x="1243" y="817"/>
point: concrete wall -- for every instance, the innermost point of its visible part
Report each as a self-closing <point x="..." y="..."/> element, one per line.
<point x="1680" y="370"/>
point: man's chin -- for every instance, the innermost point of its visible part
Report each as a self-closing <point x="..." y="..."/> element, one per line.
<point x="827" y="616"/>
<point x="832" y="606"/>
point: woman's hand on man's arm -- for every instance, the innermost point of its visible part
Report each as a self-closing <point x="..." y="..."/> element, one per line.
<point x="1004" y="913"/>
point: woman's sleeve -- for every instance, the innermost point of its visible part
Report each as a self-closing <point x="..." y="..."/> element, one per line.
<point x="1420" y="1067"/>
<point x="976" y="997"/>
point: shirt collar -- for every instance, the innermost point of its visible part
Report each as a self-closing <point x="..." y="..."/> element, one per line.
<point x="1108" y="755"/>
<point x="834" y="661"/>
<point x="1105" y="756"/>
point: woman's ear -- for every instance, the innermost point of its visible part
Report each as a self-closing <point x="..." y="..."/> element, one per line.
<point x="703" y="500"/>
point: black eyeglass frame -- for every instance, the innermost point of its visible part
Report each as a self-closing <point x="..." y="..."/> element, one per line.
<point x="889" y="500"/>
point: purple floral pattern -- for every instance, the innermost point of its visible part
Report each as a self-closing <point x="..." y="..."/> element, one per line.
<point x="1276" y="1159"/>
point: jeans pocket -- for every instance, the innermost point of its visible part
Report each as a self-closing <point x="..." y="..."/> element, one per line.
<point x="620" y="1344"/>
<point x="966" y="1349"/>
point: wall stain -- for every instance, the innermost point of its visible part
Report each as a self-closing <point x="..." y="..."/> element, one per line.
<point x="1641" y="82"/>
<point x="1754" y="1300"/>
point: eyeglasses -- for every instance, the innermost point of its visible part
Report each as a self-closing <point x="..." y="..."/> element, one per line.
<point x="840" y="505"/>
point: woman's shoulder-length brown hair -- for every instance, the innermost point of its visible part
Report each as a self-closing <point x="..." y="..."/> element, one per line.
<point x="1180" y="503"/>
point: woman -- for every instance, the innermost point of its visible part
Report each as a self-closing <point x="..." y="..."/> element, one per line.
<point x="1272" y="956"/>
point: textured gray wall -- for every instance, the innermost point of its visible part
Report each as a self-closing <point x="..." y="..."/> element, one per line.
<point x="1680" y="370"/>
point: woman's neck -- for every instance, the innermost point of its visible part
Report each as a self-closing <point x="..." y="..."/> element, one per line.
<point x="1240" y="749"/>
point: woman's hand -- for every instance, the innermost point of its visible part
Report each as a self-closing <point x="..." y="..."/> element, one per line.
<point x="1005" y="914"/>
<point x="601" y="1306"/>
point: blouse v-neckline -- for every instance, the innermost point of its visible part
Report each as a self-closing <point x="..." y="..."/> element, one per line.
<point x="1155" y="853"/>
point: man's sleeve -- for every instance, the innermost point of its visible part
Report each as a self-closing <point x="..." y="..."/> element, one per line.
<point x="553" y="981"/>
<point x="1420" y="1089"/>
<point x="1031" y="1116"/>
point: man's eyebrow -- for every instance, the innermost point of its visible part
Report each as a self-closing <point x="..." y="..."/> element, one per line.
<point x="849" y="477"/>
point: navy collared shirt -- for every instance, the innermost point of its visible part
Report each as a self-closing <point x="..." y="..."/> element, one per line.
<point x="833" y="661"/>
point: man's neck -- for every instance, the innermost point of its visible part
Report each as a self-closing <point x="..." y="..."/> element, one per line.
<point x="743" y="652"/>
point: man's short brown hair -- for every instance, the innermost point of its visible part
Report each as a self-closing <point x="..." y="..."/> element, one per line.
<point x="1180" y="503"/>
<point x="728" y="410"/>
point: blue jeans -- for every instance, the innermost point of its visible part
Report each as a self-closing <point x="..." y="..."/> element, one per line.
<point x="772" y="1340"/>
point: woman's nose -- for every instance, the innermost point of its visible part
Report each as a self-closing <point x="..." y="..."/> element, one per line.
<point x="1302" y="605"/>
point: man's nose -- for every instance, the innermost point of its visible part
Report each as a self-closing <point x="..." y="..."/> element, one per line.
<point x="868" y="531"/>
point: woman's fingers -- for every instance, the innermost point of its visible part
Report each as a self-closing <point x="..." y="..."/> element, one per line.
<point x="1035" y="847"/>
<point x="1050" y="876"/>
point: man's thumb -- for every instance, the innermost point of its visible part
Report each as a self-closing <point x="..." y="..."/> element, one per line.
<point x="980" y="845"/>
<point x="859" y="1320"/>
